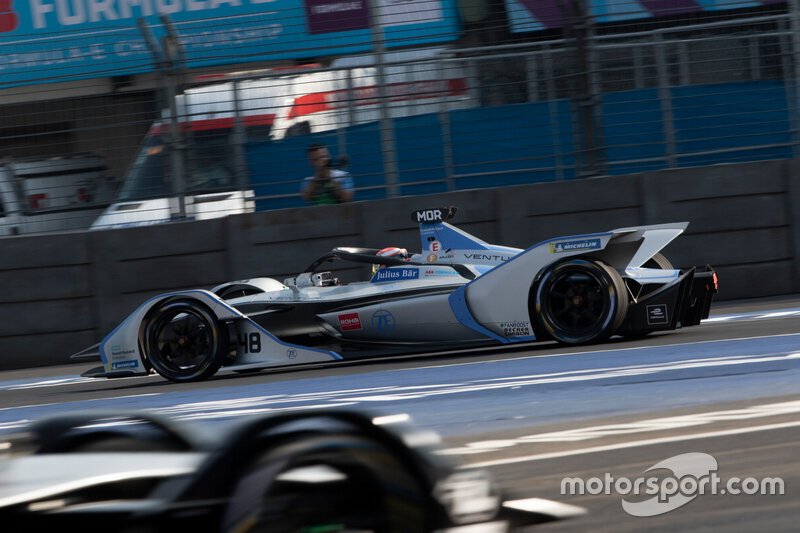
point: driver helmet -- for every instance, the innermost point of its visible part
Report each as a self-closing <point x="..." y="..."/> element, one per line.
<point x="390" y="251"/>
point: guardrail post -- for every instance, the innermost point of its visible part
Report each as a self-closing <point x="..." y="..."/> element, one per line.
<point x="447" y="137"/>
<point x="173" y="59"/>
<point x="167" y="56"/>
<point x="794" y="86"/>
<point x="388" y="148"/>
<point x="239" y="141"/>
<point x="665" y="98"/>
<point x="578" y="29"/>
<point x="552" y="108"/>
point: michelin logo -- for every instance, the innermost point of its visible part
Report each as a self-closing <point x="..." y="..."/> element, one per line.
<point x="124" y="364"/>
<point x="574" y="246"/>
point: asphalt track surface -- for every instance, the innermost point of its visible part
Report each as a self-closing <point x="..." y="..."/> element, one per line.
<point x="729" y="388"/>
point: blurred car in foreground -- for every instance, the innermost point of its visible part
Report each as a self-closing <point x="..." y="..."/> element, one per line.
<point x="331" y="471"/>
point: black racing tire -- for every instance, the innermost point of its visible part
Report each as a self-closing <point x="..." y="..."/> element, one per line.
<point x="658" y="261"/>
<point x="375" y="492"/>
<point x="183" y="341"/>
<point x="579" y="301"/>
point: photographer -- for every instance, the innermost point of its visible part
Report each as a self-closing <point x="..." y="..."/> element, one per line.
<point x="328" y="185"/>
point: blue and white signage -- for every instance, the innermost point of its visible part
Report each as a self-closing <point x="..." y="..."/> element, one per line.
<point x="57" y="40"/>
<point x="124" y="364"/>
<point x="395" y="274"/>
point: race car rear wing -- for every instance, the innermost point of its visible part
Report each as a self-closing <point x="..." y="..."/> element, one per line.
<point x="681" y="303"/>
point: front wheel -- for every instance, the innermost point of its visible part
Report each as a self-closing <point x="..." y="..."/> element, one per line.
<point x="183" y="341"/>
<point x="329" y="483"/>
<point x="578" y="301"/>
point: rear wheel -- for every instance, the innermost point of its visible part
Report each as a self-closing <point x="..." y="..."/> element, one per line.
<point x="659" y="261"/>
<point x="578" y="301"/>
<point x="183" y="341"/>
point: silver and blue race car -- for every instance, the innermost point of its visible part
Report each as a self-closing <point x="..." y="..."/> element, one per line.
<point x="457" y="292"/>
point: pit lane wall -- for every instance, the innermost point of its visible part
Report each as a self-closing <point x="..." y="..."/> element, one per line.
<point x="63" y="293"/>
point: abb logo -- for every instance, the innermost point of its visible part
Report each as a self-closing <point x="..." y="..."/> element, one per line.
<point x="349" y="322"/>
<point x="8" y="18"/>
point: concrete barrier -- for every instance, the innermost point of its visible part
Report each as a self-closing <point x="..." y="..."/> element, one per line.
<point x="63" y="293"/>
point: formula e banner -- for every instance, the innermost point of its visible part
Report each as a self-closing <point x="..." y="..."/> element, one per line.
<point x="535" y="15"/>
<point x="58" y="40"/>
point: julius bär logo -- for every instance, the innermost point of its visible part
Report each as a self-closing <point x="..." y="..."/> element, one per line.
<point x="8" y="18"/>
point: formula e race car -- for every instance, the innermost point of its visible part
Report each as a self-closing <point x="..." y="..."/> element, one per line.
<point x="332" y="471"/>
<point x="458" y="292"/>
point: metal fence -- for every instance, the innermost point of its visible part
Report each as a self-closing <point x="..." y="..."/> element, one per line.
<point x="418" y="121"/>
<point x="673" y="97"/>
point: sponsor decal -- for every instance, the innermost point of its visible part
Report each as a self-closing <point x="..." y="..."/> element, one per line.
<point x="657" y="314"/>
<point x="330" y="16"/>
<point x="574" y="246"/>
<point x="349" y="321"/>
<point x="396" y="274"/>
<point x="435" y="246"/>
<point x="291" y="353"/>
<point x="486" y="257"/>
<point x="440" y="272"/>
<point x="383" y="321"/>
<point x="124" y="364"/>
<point x="515" y="329"/>
<point x="428" y="232"/>
<point x="119" y="353"/>
<point x="432" y="258"/>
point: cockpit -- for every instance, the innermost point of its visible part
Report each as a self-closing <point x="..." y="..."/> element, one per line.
<point x="312" y="276"/>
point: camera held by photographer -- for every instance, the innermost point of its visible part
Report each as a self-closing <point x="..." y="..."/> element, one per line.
<point x="330" y="184"/>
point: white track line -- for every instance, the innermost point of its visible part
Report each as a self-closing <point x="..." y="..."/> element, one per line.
<point x="634" y="444"/>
